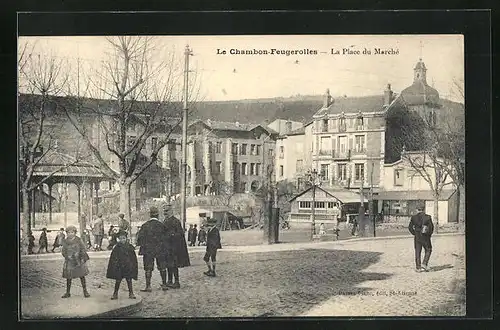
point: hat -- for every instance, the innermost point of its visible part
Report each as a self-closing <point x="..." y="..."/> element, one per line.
<point x="71" y="228"/>
<point x="121" y="215"/>
<point x="153" y="211"/>
<point x="420" y="207"/>
<point x="121" y="233"/>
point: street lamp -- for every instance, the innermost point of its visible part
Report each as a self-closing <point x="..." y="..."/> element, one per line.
<point x="312" y="177"/>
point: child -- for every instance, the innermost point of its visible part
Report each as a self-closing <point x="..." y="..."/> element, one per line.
<point x="59" y="239"/>
<point x="75" y="261"/>
<point x="213" y="243"/>
<point x="42" y="241"/>
<point x="322" y="229"/>
<point x="31" y="242"/>
<point x="122" y="264"/>
<point x="202" y="236"/>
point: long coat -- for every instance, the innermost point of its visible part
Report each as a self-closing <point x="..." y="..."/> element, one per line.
<point x="176" y="247"/>
<point x="75" y="258"/>
<point x="98" y="228"/>
<point x="122" y="262"/>
<point x="213" y="239"/>
<point x="42" y="241"/>
<point x="151" y="238"/>
<point x="417" y="221"/>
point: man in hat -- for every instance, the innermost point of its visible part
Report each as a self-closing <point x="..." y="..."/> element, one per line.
<point x="98" y="232"/>
<point x="421" y="227"/>
<point x="123" y="224"/>
<point x="177" y="255"/>
<point x="151" y="239"/>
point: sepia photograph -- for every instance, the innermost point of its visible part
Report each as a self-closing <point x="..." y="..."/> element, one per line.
<point x="241" y="176"/>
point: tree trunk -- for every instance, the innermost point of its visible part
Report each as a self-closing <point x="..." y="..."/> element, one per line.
<point x="125" y="199"/>
<point x="26" y="223"/>
<point x="436" y="213"/>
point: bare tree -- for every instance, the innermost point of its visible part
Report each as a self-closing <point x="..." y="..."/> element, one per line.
<point x="41" y="78"/>
<point x="137" y="93"/>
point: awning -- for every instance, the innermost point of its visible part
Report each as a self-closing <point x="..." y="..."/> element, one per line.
<point x="426" y="195"/>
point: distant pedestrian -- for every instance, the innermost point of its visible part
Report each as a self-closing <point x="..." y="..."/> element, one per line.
<point x="86" y="239"/>
<point x="122" y="264"/>
<point x="421" y="227"/>
<point x="43" y="242"/>
<point x="194" y="235"/>
<point x="190" y="234"/>
<point x="202" y="236"/>
<point x="75" y="261"/>
<point x="322" y="229"/>
<point x="31" y="242"/>
<point x="177" y="255"/>
<point x="98" y="232"/>
<point x="59" y="239"/>
<point x="213" y="244"/>
<point x="151" y="239"/>
<point x="354" y="231"/>
<point x="123" y="224"/>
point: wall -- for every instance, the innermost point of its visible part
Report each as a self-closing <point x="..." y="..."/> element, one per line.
<point x="442" y="211"/>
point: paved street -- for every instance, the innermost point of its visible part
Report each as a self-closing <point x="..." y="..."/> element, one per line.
<point x="365" y="277"/>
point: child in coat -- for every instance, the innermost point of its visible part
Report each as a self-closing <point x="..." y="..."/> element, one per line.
<point x="122" y="264"/>
<point x="75" y="261"/>
<point x="59" y="239"/>
<point x="31" y="242"/>
<point x="43" y="242"/>
<point x="213" y="244"/>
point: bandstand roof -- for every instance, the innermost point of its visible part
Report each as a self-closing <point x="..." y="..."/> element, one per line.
<point x="60" y="165"/>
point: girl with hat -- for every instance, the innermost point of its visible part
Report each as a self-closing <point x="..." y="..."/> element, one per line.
<point x="75" y="261"/>
<point x="122" y="264"/>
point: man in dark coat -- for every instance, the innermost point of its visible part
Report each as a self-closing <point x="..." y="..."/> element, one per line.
<point x="190" y="234"/>
<point x="202" y="236"/>
<point x="195" y="235"/>
<point x="151" y="239"/>
<point x="43" y="242"/>
<point x="421" y="227"/>
<point x="176" y="247"/>
<point x="213" y="243"/>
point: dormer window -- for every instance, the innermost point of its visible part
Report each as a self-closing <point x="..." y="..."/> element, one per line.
<point x="359" y="122"/>
<point x="342" y="124"/>
<point x="324" y="126"/>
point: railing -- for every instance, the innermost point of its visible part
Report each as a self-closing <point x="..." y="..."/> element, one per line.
<point x="342" y="128"/>
<point x="325" y="152"/>
<point x="324" y="129"/>
<point x="359" y="151"/>
<point x="342" y="154"/>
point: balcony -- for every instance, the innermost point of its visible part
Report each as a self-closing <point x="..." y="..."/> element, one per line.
<point x="342" y="128"/>
<point x="325" y="152"/>
<point x="359" y="151"/>
<point x="342" y="155"/>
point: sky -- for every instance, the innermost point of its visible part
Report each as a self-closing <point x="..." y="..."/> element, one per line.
<point x="235" y="76"/>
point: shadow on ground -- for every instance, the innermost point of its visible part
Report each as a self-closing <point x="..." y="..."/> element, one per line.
<point x="282" y="283"/>
<point x="439" y="268"/>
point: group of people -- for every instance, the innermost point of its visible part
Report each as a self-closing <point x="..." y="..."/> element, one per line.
<point x="43" y="242"/>
<point x="193" y="234"/>
<point x="160" y="242"/>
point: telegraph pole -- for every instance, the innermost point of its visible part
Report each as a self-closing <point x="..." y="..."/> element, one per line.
<point x="187" y="53"/>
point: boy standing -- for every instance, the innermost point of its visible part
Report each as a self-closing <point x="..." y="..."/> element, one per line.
<point x="213" y="244"/>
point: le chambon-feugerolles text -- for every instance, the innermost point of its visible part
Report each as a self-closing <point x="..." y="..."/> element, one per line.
<point x="346" y="51"/>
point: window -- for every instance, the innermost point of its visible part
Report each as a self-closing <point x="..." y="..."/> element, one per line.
<point x="342" y="141"/>
<point x="218" y="147"/>
<point x="154" y="142"/>
<point x="131" y="140"/>
<point x="359" y="143"/>
<point x="257" y="150"/>
<point x="342" y="172"/>
<point x="331" y="205"/>
<point x="252" y="169"/>
<point x="319" y="205"/>
<point x="324" y="126"/>
<point x="243" y="150"/>
<point x="282" y="151"/>
<point x="253" y="150"/>
<point x="359" y="172"/>
<point x="324" y="171"/>
<point x="243" y="168"/>
<point x="257" y="169"/>
<point x="304" y="205"/>
<point x="144" y="186"/>
<point x="271" y="152"/>
<point x="325" y="145"/>
<point x="359" y="123"/>
<point x="218" y="167"/>
<point x="398" y="177"/>
<point x="299" y="164"/>
<point x="342" y="124"/>
<point x="234" y="148"/>
<point x="282" y="170"/>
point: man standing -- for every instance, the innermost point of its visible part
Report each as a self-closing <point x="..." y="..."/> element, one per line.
<point x="176" y="247"/>
<point x="98" y="232"/>
<point x="194" y="236"/>
<point x="151" y="239"/>
<point x="213" y="244"/>
<point x="123" y="224"/>
<point x="421" y="227"/>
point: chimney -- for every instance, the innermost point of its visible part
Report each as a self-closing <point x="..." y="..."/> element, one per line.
<point x="327" y="101"/>
<point x="388" y="95"/>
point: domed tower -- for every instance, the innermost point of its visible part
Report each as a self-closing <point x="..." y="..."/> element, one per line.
<point x="421" y="97"/>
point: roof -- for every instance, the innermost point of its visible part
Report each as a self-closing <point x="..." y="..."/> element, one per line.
<point x="420" y="93"/>
<point x="65" y="165"/>
<point x="369" y="103"/>
<point x="342" y="194"/>
<point x="426" y="195"/>
<point x="232" y="126"/>
<point x="215" y="208"/>
<point x="298" y="131"/>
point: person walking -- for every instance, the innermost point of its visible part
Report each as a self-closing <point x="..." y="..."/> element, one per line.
<point x="75" y="261"/>
<point x="122" y="264"/>
<point x="202" y="236"/>
<point x="190" y="234"/>
<point x="194" y="235"/>
<point x="31" y="242"/>
<point x="213" y="244"/>
<point x="43" y="242"/>
<point x="422" y="228"/>
<point x="98" y="232"/>
<point x="58" y="240"/>
<point x="151" y="239"/>
<point x="177" y="255"/>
